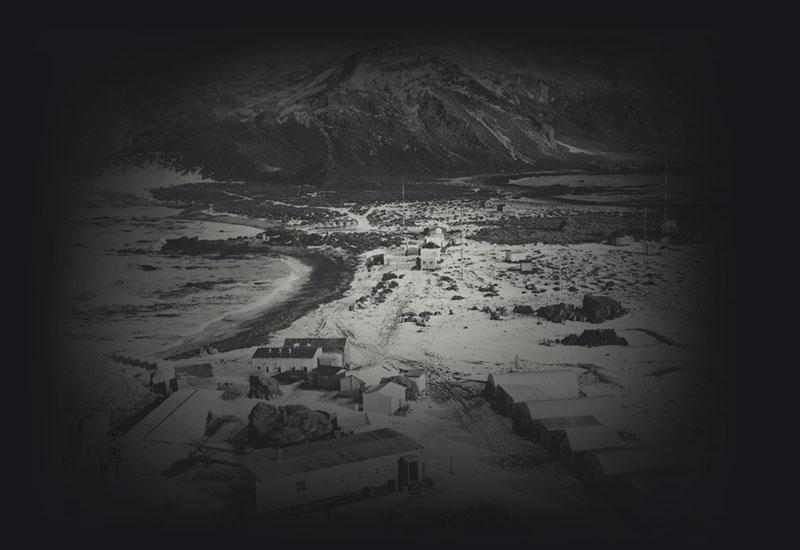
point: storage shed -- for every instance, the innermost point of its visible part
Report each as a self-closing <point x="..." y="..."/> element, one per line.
<point x="325" y="377"/>
<point x="325" y="471"/>
<point x="507" y="390"/>
<point x="576" y="442"/>
<point x="356" y="381"/>
<point x="601" y="466"/>
<point x="385" y="398"/>
<point x="551" y="429"/>
<point x="528" y="415"/>
<point x="196" y="375"/>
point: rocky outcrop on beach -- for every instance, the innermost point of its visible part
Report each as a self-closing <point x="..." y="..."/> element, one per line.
<point x="271" y="426"/>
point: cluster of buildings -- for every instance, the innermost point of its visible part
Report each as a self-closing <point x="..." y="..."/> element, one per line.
<point x="326" y="364"/>
<point x="549" y="407"/>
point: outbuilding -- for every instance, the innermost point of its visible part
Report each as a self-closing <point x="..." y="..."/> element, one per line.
<point x="276" y="360"/>
<point x="325" y="471"/>
<point x="428" y="258"/>
<point x="552" y="429"/>
<point x="526" y="266"/>
<point x="602" y="466"/>
<point x="385" y="398"/>
<point x="529" y="414"/>
<point x="196" y="375"/>
<point x="355" y="382"/>
<point x="576" y="442"/>
<point x="507" y="390"/>
<point x="514" y="257"/>
<point x="325" y="377"/>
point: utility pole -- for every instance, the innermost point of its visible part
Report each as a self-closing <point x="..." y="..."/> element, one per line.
<point x="666" y="182"/>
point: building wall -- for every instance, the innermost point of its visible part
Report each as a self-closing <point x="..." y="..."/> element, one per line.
<point x="428" y="263"/>
<point x="271" y="365"/>
<point x="308" y="487"/>
<point x="381" y="403"/>
<point x="351" y="385"/>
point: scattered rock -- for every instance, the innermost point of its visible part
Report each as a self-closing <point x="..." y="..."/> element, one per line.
<point x="595" y="337"/>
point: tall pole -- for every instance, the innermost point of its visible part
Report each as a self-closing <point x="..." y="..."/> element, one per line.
<point x="666" y="181"/>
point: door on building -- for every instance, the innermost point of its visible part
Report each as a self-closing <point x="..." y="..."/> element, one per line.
<point x="408" y="470"/>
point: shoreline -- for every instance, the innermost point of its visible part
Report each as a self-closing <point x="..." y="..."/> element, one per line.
<point x="328" y="278"/>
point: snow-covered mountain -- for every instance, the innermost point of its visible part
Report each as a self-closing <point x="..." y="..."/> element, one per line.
<point x="318" y="112"/>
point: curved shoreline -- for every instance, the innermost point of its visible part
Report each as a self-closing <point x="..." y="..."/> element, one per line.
<point x="329" y="277"/>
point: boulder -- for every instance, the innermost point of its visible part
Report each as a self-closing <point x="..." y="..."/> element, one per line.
<point x="271" y="426"/>
<point x="264" y="387"/>
<point x="523" y="309"/>
<point x="557" y="313"/>
<point x="595" y="337"/>
<point x="598" y="309"/>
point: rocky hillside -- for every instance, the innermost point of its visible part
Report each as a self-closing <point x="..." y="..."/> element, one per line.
<point x="322" y="112"/>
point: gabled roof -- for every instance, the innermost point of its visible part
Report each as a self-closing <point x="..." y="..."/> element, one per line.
<point x="327" y="344"/>
<point x="592" y="438"/>
<point x="372" y="375"/>
<point x="388" y="388"/>
<point x="302" y="352"/>
<point x="551" y="408"/>
<point x="181" y="417"/>
<point x="538" y="385"/>
<point x="328" y="453"/>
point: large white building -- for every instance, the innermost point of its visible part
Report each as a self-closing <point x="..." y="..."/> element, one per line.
<point x="285" y="359"/>
<point x="335" y="351"/>
<point x="305" y="475"/>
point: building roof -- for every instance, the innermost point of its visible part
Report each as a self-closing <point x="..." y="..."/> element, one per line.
<point x="563" y="422"/>
<point x="591" y="438"/>
<point x="301" y="352"/>
<point x="392" y="389"/>
<point x="327" y="344"/>
<point x="181" y="417"/>
<point x="328" y="453"/>
<point x="373" y="375"/>
<point x="552" y="408"/>
<point x="539" y="385"/>
<point x="646" y="458"/>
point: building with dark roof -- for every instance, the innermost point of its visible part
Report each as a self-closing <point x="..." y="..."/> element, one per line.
<point x="325" y="377"/>
<point x="276" y="360"/>
<point x="335" y="351"/>
<point x="327" y="470"/>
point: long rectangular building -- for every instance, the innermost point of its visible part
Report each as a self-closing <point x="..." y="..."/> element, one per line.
<point x="330" y="469"/>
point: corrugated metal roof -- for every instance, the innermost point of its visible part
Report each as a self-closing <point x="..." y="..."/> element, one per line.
<point x="328" y="453"/>
<point x="301" y="352"/>
<point x="179" y="418"/>
<point x="590" y="438"/>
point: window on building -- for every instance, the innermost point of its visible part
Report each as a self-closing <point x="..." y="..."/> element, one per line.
<point x="300" y="486"/>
